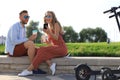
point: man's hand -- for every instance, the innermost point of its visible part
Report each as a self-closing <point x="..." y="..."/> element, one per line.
<point x="33" y="37"/>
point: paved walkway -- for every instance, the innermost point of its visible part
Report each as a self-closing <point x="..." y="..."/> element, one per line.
<point x="13" y="76"/>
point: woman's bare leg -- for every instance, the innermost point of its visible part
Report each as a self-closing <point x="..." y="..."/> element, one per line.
<point x="52" y="66"/>
<point x="30" y="68"/>
<point x="49" y="63"/>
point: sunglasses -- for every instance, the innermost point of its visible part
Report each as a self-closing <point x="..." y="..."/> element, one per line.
<point x="48" y="16"/>
<point x="26" y="17"/>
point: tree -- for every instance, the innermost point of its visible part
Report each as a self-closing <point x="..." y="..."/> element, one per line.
<point x="93" y="35"/>
<point x="33" y="26"/>
<point x="70" y="35"/>
<point x="101" y="35"/>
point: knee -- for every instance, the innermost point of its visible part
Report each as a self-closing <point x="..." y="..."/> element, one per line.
<point x="29" y="44"/>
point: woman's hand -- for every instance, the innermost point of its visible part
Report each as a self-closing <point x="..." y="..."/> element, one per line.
<point x="47" y="31"/>
<point x="54" y="35"/>
<point x="44" y="38"/>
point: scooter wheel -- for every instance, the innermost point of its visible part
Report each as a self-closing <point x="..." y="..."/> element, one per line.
<point x="107" y="75"/>
<point x="82" y="72"/>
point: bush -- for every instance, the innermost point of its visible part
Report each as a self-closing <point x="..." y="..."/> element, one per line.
<point x="94" y="49"/>
<point x="88" y="49"/>
<point x="2" y="47"/>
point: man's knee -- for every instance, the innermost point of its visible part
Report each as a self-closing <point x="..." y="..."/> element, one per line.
<point x="29" y="44"/>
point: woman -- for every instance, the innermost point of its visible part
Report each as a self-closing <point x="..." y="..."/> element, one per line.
<point x="56" y="48"/>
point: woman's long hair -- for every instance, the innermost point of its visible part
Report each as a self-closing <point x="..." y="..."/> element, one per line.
<point x="54" y="20"/>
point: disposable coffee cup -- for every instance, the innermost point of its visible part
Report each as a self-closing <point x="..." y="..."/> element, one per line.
<point x="34" y="32"/>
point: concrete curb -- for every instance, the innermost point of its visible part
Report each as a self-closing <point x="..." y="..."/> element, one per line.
<point x="64" y="65"/>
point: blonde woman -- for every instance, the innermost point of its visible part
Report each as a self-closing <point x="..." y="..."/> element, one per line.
<point x="56" y="48"/>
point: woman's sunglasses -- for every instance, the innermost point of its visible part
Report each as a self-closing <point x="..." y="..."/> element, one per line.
<point x="48" y="16"/>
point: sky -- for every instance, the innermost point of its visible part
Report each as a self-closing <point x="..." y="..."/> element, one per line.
<point x="76" y="13"/>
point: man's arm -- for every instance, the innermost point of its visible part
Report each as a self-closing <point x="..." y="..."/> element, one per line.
<point x="15" y="36"/>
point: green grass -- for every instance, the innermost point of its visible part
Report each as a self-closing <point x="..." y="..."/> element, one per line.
<point x="88" y="49"/>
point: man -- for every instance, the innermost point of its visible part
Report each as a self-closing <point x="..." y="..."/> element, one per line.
<point x="16" y="42"/>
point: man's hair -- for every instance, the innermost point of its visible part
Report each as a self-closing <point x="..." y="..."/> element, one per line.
<point x="23" y="11"/>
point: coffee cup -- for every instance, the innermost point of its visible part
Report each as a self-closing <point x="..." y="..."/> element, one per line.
<point x="34" y="32"/>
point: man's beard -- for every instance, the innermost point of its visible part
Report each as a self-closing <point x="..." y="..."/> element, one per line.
<point x="23" y="22"/>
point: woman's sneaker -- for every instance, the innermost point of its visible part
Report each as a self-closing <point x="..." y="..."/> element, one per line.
<point x="25" y="73"/>
<point x="53" y="68"/>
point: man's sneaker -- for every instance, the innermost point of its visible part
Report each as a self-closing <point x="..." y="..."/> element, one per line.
<point x="39" y="71"/>
<point x="53" y="68"/>
<point x="25" y="73"/>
